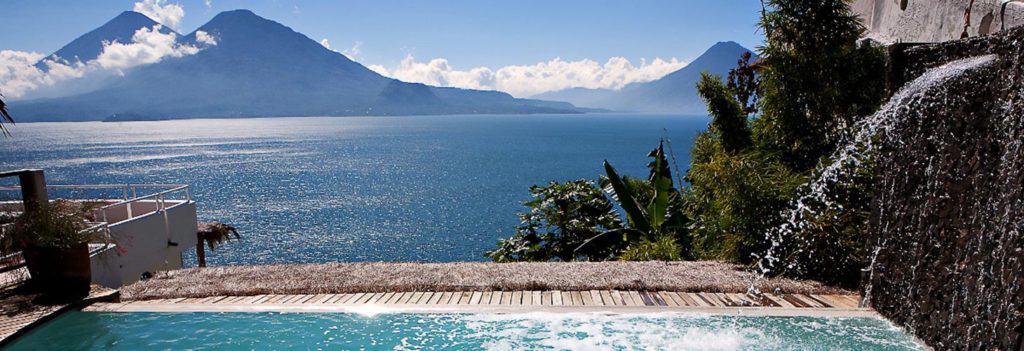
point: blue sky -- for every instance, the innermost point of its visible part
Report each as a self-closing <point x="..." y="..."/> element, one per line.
<point x="465" y="34"/>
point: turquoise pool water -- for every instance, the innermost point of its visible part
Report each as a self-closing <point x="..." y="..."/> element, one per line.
<point x="534" y="331"/>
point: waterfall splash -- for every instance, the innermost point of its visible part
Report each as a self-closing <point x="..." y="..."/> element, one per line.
<point x="853" y="154"/>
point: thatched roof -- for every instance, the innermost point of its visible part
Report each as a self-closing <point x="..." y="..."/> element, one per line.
<point x="333" y="278"/>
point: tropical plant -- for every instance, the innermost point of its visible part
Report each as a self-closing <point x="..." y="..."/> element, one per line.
<point x="57" y="225"/>
<point x="772" y="123"/>
<point x="213" y="234"/>
<point x="653" y="209"/>
<point x="816" y="80"/>
<point x="5" y="117"/>
<point x="576" y="220"/>
<point x="562" y="216"/>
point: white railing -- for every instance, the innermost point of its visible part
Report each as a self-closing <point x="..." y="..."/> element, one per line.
<point x="129" y="195"/>
<point x="160" y="199"/>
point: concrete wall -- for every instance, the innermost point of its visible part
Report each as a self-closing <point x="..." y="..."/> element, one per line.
<point x="892" y="21"/>
<point x="145" y="244"/>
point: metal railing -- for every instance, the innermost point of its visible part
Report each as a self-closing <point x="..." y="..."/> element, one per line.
<point x="129" y="195"/>
<point x="159" y="197"/>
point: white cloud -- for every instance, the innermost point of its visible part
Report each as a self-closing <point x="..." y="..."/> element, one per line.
<point x="205" y="38"/>
<point x="209" y="3"/>
<point x="354" y="52"/>
<point x="529" y="80"/>
<point x="148" y="46"/>
<point x="19" y="75"/>
<point x="159" y="10"/>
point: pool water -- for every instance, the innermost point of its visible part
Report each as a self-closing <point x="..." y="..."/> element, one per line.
<point x="531" y="331"/>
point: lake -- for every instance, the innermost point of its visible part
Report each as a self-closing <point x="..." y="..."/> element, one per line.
<point x="306" y="190"/>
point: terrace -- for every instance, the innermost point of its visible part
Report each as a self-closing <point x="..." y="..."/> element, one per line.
<point x="139" y="228"/>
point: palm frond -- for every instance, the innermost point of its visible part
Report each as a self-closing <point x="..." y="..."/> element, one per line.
<point x="216" y="233"/>
<point x="5" y="117"/>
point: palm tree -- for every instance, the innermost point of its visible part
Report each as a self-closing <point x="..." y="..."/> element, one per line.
<point x="213" y="234"/>
<point x="4" y="117"/>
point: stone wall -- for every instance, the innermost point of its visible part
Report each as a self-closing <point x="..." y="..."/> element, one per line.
<point x="948" y="214"/>
<point x="893" y="21"/>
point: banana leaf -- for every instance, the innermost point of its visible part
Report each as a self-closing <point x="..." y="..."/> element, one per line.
<point x="622" y="193"/>
<point x="661" y="179"/>
<point x="607" y="245"/>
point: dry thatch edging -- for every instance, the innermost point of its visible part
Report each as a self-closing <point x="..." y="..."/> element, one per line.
<point x="333" y="278"/>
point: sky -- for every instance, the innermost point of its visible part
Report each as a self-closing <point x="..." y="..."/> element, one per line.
<point x="588" y="43"/>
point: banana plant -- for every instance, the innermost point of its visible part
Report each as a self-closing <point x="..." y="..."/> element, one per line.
<point x="647" y="208"/>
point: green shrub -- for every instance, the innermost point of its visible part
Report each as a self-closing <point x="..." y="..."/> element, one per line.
<point x="661" y="248"/>
<point x="772" y="124"/>
<point x="561" y="217"/>
<point x="59" y="224"/>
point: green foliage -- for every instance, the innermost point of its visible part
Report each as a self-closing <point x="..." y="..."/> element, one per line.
<point x="728" y="117"/>
<point x="662" y="216"/>
<point x="562" y="217"/>
<point x="660" y="248"/>
<point x="735" y="199"/>
<point x="59" y="224"/>
<point x="773" y="122"/>
<point x="576" y="221"/>
<point x="816" y="80"/>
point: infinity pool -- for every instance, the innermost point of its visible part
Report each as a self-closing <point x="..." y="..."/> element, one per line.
<point x="533" y="331"/>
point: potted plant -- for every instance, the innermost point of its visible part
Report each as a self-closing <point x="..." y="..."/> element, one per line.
<point x="54" y="241"/>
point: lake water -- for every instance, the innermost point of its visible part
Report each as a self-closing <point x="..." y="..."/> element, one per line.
<point x="424" y="188"/>
<point x="533" y="331"/>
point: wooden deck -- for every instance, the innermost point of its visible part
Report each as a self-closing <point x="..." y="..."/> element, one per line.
<point x="501" y="301"/>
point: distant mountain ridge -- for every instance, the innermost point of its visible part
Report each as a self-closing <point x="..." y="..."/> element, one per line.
<point x="89" y="46"/>
<point x="673" y="93"/>
<point x="258" y="68"/>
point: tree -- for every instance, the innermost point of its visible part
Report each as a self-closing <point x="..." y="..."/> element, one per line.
<point x="213" y="234"/>
<point x="772" y="123"/>
<point x="574" y="220"/>
<point x="728" y="114"/>
<point x="561" y="217"/>
<point x="653" y="212"/>
<point x="816" y="80"/>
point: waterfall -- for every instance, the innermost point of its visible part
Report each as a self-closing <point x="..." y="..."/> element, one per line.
<point x="853" y="154"/>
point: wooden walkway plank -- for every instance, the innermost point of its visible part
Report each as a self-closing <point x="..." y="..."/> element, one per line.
<point x="344" y="298"/>
<point x="423" y="297"/>
<point x="637" y="299"/>
<point x="670" y="299"/>
<point x="407" y="296"/>
<point x="443" y="298"/>
<point x="556" y="298"/>
<point x="495" y="298"/>
<point x="779" y="301"/>
<point x="795" y="302"/>
<point x="616" y="297"/>
<point x="436" y="298"/>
